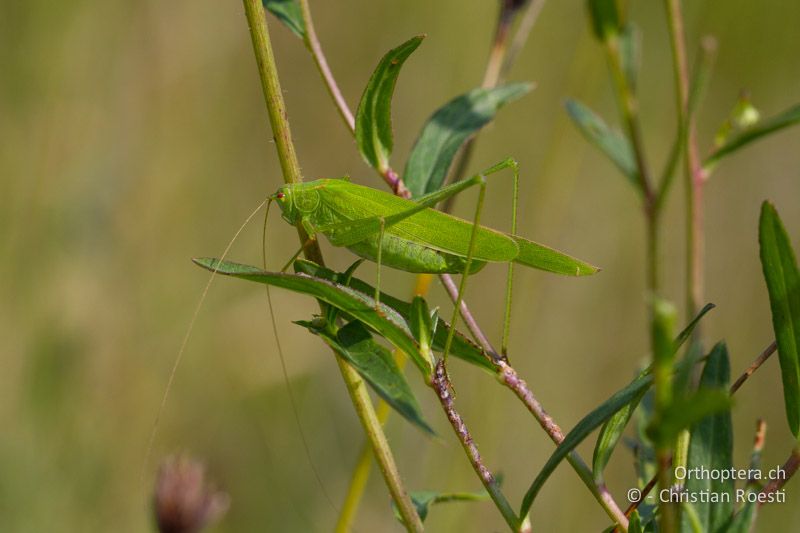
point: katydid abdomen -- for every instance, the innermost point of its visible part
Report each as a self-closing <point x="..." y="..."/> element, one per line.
<point x="413" y="257"/>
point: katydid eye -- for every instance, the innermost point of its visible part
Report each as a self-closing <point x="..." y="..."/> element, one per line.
<point x="280" y="196"/>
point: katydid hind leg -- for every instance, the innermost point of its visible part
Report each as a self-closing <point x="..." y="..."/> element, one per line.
<point x="481" y="180"/>
<point x="510" y="273"/>
<point x="351" y="232"/>
<point x="431" y="199"/>
<point x="470" y="253"/>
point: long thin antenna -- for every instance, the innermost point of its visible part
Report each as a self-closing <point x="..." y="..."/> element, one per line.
<point x="286" y="381"/>
<point x="185" y="342"/>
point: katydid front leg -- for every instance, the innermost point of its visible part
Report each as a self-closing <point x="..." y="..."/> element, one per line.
<point x="382" y="222"/>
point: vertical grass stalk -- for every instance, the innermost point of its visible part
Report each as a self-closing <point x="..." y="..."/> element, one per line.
<point x="290" y="167"/>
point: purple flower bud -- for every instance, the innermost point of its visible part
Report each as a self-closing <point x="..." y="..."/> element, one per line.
<point x="184" y="502"/>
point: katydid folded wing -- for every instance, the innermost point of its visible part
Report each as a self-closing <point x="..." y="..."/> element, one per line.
<point x="358" y="211"/>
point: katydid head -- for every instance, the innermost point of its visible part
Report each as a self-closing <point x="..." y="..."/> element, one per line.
<point x="283" y="197"/>
<point x="296" y="201"/>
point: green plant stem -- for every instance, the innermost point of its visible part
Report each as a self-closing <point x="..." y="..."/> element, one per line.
<point x="357" y="485"/>
<point x="693" y="187"/>
<point x="360" y="476"/>
<point x="692" y="167"/>
<point x="290" y="167"/>
<point x="652" y="226"/>
<point x="380" y="446"/>
<point x="270" y="84"/>
<point x="629" y="108"/>
<point x="705" y="62"/>
<point x="497" y="67"/>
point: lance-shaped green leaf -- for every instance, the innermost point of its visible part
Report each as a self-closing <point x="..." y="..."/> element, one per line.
<point x="605" y="18"/>
<point x="289" y="13"/>
<point x="462" y="347"/>
<point x="448" y="129"/>
<point x="778" y="122"/>
<point x="683" y="412"/>
<point x="711" y="448"/>
<point x="783" y="284"/>
<point x="610" y="434"/>
<point x="381" y="318"/>
<point x="684" y="335"/>
<point x="609" y="141"/>
<point x="376" y="365"/>
<point x="374" y="116"/>
<point x="630" y="393"/>
<point x="424" y="499"/>
<point x="683" y="377"/>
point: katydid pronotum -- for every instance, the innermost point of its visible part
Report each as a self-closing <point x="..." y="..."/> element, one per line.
<point x="413" y="236"/>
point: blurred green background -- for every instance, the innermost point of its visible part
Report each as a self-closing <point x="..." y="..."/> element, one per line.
<point x="134" y="137"/>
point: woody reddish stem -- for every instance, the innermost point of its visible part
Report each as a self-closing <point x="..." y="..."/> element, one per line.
<point x="508" y="376"/>
<point x="396" y="183"/>
<point x="441" y="384"/>
<point x="789" y="469"/>
<point x="760" y="360"/>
